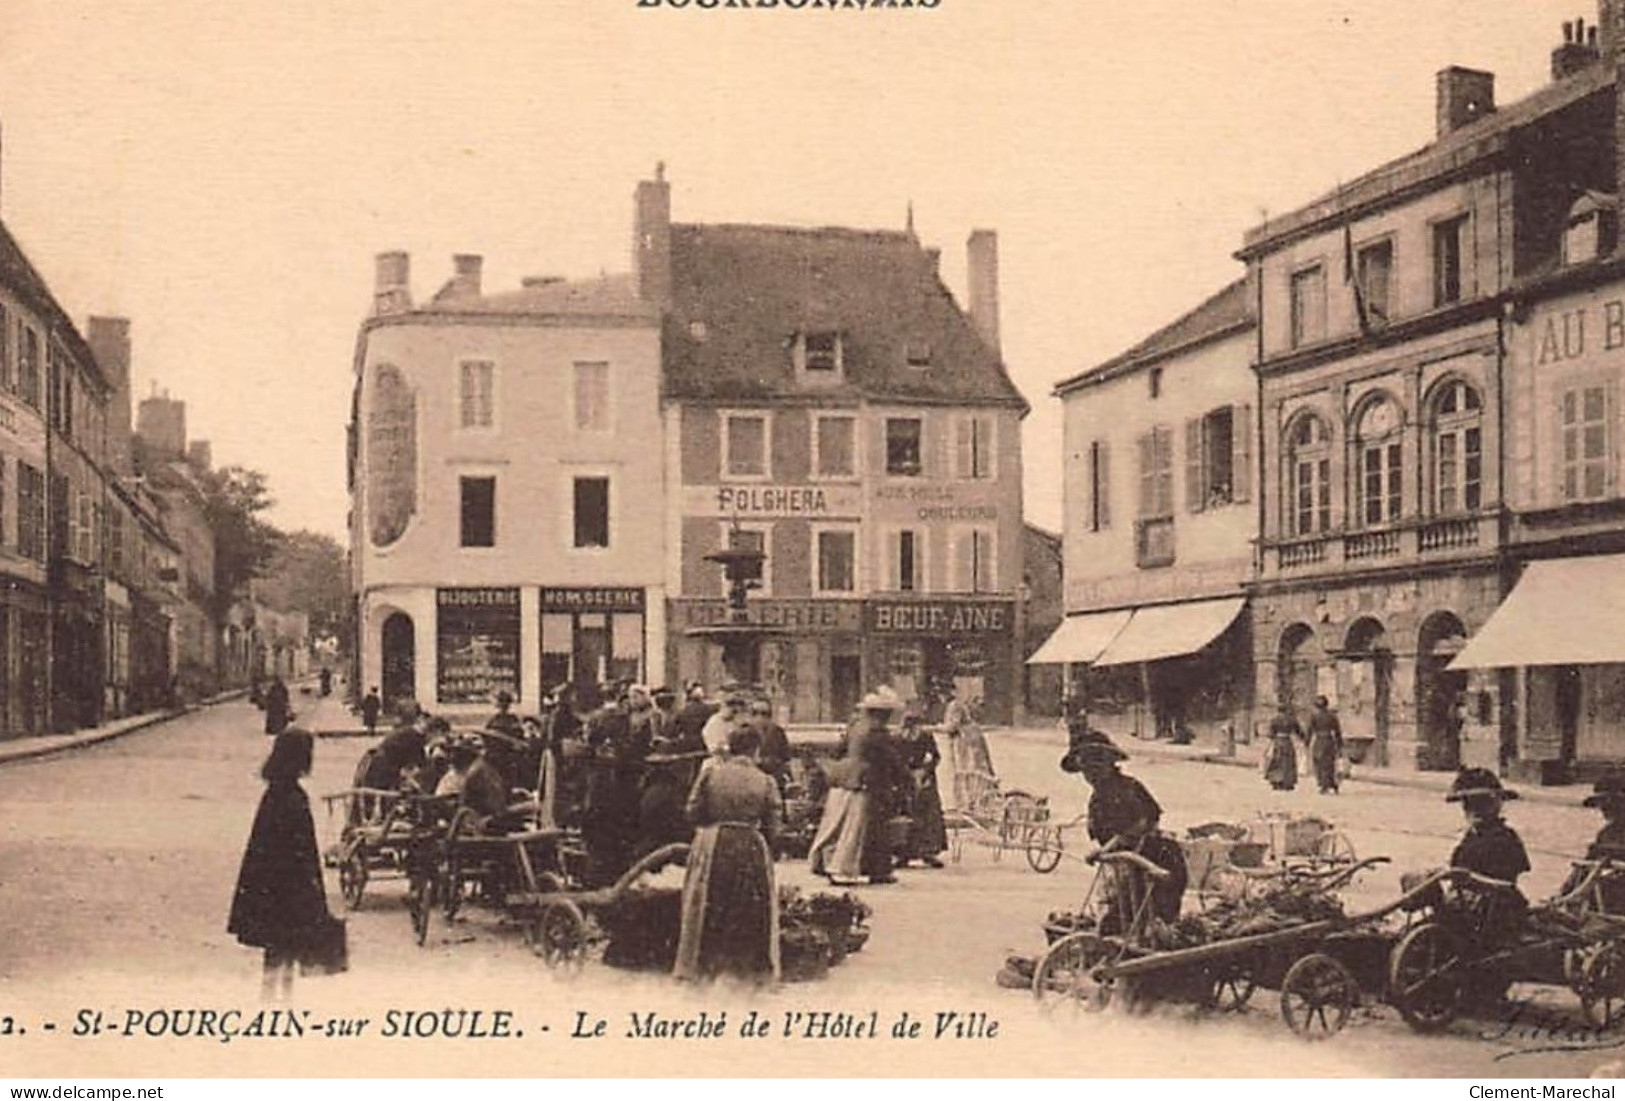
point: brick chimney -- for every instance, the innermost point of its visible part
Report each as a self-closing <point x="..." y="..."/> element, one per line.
<point x="982" y="270"/>
<point x="392" y="285"/>
<point x="1465" y="95"/>
<point x="651" y="239"/>
<point x="1578" y="50"/>
<point x="109" y="340"/>
<point x="465" y="280"/>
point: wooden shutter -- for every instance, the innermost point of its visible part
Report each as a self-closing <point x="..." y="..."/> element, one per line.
<point x="1147" y="447"/>
<point x="1241" y="453"/>
<point x="964" y="447"/>
<point x="1195" y="482"/>
<point x="1104" y="507"/>
<point x="1163" y="450"/>
<point x="1610" y="412"/>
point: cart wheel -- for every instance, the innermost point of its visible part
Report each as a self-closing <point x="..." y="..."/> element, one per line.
<point x="1066" y="974"/>
<point x="1230" y="991"/>
<point x="353" y="878"/>
<point x="1335" y="847"/>
<point x="420" y="903"/>
<point x="1044" y="849"/>
<point x="559" y="934"/>
<point x="1317" y="996"/>
<point x="1602" y="987"/>
<point x="1423" y="977"/>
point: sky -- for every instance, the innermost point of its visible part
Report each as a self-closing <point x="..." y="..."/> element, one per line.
<point x="223" y="174"/>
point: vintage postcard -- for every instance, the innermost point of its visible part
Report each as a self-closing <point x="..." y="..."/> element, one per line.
<point x="812" y="538"/>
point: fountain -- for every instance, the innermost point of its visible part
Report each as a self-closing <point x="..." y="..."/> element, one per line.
<point x="739" y="638"/>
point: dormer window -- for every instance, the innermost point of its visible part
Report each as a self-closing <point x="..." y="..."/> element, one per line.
<point x="918" y="353"/>
<point x="821" y="351"/>
<point x="1592" y="229"/>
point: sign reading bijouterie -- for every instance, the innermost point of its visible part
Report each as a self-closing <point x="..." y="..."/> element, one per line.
<point x="804" y="615"/>
<point x="932" y="617"/>
<point x="600" y="599"/>
<point x="476" y="644"/>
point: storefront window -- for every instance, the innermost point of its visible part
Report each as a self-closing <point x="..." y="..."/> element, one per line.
<point x="837" y="561"/>
<point x="477" y="644"/>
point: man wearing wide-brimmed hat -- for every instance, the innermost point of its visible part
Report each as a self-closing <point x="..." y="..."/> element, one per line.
<point x="505" y="722"/>
<point x="1490" y="847"/>
<point x="1608" y="796"/>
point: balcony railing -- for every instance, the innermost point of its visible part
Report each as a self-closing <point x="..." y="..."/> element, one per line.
<point x="1447" y="534"/>
<point x="1311" y="553"/>
<point x="1370" y="544"/>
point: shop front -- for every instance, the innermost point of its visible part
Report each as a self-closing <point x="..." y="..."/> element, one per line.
<point x="810" y="657"/>
<point x="476" y="644"/>
<point x="591" y="636"/>
<point x="25" y="637"/>
<point x="931" y="650"/>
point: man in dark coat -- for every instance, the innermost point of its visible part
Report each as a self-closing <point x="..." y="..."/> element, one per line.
<point x="371" y="705"/>
<point x="691" y="719"/>
<point x="505" y="721"/>
<point x="774" y="755"/>
<point x="278" y="708"/>
<point x="1325" y="745"/>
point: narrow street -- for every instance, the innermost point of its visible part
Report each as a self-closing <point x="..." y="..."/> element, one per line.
<point x="117" y="862"/>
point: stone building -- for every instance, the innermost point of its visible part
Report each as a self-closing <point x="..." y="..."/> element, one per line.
<point x="1160" y="514"/>
<point x="826" y="402"/>
<point x="506" y="481"/>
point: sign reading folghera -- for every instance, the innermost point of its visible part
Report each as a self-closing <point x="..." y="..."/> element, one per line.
<point x="773" y="500"/>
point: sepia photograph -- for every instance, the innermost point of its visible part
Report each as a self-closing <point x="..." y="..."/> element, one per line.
<point x="815" y="539"/>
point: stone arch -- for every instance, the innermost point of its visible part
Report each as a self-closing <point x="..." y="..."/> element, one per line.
<point x="1299" y="656"/>
<point x="1440" y="690"/>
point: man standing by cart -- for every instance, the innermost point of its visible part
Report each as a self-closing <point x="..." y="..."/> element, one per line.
<point x="1123" y="816"/>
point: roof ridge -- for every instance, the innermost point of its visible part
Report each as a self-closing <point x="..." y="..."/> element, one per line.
<point x="897" y="236"/>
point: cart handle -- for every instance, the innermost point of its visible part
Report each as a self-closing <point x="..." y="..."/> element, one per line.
<point x="1138" y="861"/>
<point x="1482" y="880"/>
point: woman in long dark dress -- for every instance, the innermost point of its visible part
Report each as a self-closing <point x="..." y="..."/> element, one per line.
<point x="730" y="903"/>
<point x="928" y="835"/>
<point x="280" y="903"/>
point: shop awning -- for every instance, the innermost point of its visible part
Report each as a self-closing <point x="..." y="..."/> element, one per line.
<point x="1564" y="611"/>
<point x="1170" y="630"/>
<point x="1080" y="638"/>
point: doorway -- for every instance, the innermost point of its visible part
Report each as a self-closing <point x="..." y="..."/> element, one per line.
<point x="1369" y="677"/>
<point x="845" y="685"/>
<point x="1440" y="691"/>
<point x="399" y="646"/>
<point x="1297" y="660"/>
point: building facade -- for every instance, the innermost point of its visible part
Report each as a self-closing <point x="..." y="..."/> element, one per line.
<point x="1160" y="513"/>
<point x="828" y="404"/>
<point x="506" y="483"/>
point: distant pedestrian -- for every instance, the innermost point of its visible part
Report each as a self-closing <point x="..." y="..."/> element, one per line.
<point x="372" y="705"/>
<point x="326" y="679"/>
<point x="278" y="709"/>
<point x="1325" y="745"/>
<point x="280" y="903"/>
<point x="1281" y="759"/>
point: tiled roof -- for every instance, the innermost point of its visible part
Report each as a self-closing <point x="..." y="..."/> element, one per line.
<point x="1451" y="151"/>
<point x="605" y="296"/>
<point x="1231" y="310"/>
<point x="20" y="276"/>
<point x="741" y="294"/>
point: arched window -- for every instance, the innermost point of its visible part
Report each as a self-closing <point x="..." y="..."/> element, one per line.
<point x="1309" y="476"/>
<point x="1458" y="449"/>
<point x="1379" y="466"/>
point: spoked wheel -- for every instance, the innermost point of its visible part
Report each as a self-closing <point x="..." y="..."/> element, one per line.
<point x="420" y="903"/>
<point x="1066" y="975"/>
<point x="1317" y="996"/>
<point x="1020" y="819"/>
<point x="353" y="878"/>
<point x="559" y="934"/>
<point x="1044" y="849"/>
<point x="1424" y="977"/>
<point x="1601" y="986"/>
<point x="1230" y="991"/>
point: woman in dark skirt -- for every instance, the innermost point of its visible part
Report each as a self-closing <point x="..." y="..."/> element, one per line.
<point x="730" y="923"/>
<point x="928" y="835"/>
<point x="281" y="904"/>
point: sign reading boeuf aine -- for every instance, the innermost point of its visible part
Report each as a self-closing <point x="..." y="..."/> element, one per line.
<point x="936" y="617"/>
<point x="772" y="500"/>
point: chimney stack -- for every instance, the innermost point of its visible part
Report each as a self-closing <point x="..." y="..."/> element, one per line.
<point x="1464" y="96"/>
<point x="1610" y="28"/>
<point x="982" y="253"/>
<point x="199" y="455"/>
<point x="651" y="244"/>
<point x="466" y="278"/>
<point x="161" y="424"/>
<point x="1578" y="51"/>
<point x="392" y="285"/>
<point x="109" y="340"/>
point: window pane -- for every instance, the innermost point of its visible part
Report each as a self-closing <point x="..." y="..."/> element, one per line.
<point x="476" y="395"/>
<point x="592" y="396"/>
<point x="903" y="446"/>
<point x="592" y="512"/>
<point x="1593" y="404"/>
<point x="835" y="452"/>
<point x="1596" y="441"/>
<point x="479" y="512"/>
<point x="747" y="446"/>
<point x="907" y="550"/>
<point x="823" y="351"/>
<point x="835" y="561"/>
